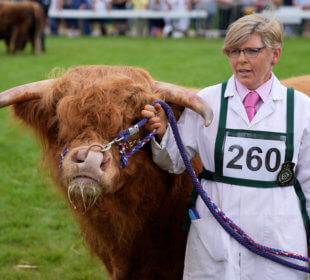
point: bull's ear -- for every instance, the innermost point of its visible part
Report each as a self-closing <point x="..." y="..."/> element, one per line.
<point x="186" y="98"/>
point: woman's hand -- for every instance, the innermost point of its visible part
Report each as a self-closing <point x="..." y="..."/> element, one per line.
<point x="157" y="119"/>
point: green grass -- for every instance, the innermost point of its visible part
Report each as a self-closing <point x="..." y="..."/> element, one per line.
<point x="36" y="226"/>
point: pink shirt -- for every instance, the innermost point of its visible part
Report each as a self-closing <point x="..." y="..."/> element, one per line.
<point x="263" y="91"/>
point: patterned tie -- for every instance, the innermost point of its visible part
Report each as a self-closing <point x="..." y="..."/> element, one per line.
<point x="249" y="103"/>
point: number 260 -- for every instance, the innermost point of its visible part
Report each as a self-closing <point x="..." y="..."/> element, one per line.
<point x="251" y="158"/>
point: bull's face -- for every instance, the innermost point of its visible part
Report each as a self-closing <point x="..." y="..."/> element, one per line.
<point x="89" y="117"/>
<point x="84" y="110"/>
<point x="87" y="172"/>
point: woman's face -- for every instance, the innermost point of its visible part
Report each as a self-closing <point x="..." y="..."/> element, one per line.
<point x="254" y="71"/>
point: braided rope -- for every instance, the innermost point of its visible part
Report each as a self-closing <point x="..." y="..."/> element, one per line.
<point x="252" y="242"/>
<point x="123" y="145"/>
<point x="62" y="156"/>
<point x="235" y="231"/>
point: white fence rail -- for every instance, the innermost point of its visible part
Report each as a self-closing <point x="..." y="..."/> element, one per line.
<point x="89" y="14"/>
<point x="290" y="15"/>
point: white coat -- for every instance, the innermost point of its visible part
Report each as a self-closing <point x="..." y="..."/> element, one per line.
<point x="271" y="216"/>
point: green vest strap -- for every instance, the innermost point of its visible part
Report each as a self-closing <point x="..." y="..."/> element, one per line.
<point x="304" y="213"/>
<point x="221" y="130"/>
<point x="290" y="125"/>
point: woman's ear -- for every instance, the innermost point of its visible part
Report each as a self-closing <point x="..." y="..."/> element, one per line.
<point x="276" y="55"/>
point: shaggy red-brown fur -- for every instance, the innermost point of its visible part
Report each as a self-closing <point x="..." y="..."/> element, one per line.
<point x="136" y="230"/>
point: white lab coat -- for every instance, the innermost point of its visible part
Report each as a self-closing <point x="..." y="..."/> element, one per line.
<point x="271" y="216"/>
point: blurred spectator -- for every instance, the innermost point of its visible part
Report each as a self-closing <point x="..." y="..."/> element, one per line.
<point x="84" y="24"/>
<point x="179" y="26"/>
<point x="202" y="26"/>
<point x="156" y="25"/>
<point x="140" y="23"/>
<point x="56" y="5"/>
<point x="196" y="21"/>
<point x="275" y="4"/>
<point x="100" y="6"/>
<point x="260" y="5"/>
<point x="239" y="8"/>
<point x="45" y="4"/>
<point x="72" y="24"/>
<point x="250" y="6"/>
<point x="225" y="9"/>
<point x="305" y="26"/>
<point x="289" y="29"/>
<point x="303" y="4"/>
<point x="211" y="8"/>
<point x="247" y="7"/>
<point x="120" y="25"/>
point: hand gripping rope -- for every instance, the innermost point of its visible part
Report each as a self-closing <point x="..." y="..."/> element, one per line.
<point x="122" y="145"/>
<point x="236" y="232"/>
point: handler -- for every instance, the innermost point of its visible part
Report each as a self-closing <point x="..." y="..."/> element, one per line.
<point x="256" y="165"/>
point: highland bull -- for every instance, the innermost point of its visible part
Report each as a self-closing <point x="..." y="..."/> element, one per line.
<point x="131" y="217"/>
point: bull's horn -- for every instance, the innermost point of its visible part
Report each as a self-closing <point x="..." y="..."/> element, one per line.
<point x="184" y="97"/>
<point x="23" y="93"/>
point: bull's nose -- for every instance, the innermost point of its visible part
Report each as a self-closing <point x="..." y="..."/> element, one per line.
<point x="89" y="160"/>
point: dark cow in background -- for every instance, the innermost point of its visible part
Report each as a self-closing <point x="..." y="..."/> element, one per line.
<point x="21" y="22"/>
<point x="130" y="217"/>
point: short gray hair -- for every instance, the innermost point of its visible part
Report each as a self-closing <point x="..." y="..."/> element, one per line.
<point x="270" y="30"/>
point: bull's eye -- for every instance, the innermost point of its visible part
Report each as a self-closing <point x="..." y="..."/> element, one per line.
<point x="62" y="143"/>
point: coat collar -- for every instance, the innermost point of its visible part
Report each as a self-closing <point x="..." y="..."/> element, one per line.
<point x="277" y="93"/>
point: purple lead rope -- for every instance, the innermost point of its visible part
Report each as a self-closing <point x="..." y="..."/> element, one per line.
<point x="236" y="232"/>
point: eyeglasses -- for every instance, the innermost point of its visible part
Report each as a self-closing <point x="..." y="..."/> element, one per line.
<point x="248" y="52"/>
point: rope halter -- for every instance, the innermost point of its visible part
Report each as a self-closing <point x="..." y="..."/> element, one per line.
<point x="121" y="143"/>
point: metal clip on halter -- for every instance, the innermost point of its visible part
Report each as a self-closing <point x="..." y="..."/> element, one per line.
<point x="133" y="130"/>
<point x="109" y="145"/>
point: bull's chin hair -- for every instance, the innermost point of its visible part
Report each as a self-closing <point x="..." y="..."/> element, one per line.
<point x="86" y="193"/>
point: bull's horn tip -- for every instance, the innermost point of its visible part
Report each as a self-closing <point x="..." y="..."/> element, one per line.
<point x="209" y="120"/>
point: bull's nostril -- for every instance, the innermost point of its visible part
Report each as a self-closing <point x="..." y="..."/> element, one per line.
<point x="78" y="157"/>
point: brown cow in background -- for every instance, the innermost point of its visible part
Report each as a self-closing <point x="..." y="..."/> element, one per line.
<point x="21" y="22"/>
<point x="130" y="217"/>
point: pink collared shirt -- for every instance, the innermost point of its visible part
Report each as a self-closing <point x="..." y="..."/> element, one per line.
<point x="263" y="91"/>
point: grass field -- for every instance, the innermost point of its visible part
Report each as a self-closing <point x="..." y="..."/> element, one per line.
<point x="38" y="236"/>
